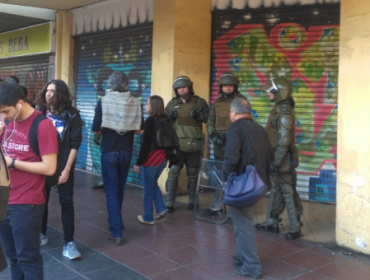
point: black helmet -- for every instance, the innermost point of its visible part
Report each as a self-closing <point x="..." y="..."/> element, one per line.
<point x="228" y="79"/>
<point x="183" y="81"/>
<point x="281" y="87"/>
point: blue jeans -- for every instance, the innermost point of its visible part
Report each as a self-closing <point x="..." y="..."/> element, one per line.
<point x="115" y="167"/>
<point x="152" y="192"/>
<point x="20" y="237"/>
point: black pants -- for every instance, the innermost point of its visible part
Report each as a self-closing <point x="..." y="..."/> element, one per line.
<point x="66" y="202"/>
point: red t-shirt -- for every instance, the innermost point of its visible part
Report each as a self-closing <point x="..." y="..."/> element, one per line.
<point x="28" y="188"/>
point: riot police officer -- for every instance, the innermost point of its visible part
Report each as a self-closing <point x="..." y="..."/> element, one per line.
<point x="187" y="112"/>
<point x="281" y="132"/>
<point x="218" y="124"/>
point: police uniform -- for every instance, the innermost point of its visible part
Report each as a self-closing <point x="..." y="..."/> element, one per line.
<point x="281" y="132"/>
<point x="187" y="118"/>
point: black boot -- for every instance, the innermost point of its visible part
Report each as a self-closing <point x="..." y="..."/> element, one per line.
<point x="274" y="228"/>
<point x="170" y="209"/>
<point x="211" y="212"/>
<point x="293" y="235"/>
<point x="190" y="206"/>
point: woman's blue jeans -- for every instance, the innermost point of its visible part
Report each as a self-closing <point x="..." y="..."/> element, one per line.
<point x="115" y="167"/>
<point x="152" y="192"/>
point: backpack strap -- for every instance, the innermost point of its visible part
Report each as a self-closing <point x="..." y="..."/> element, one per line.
<point x="32" y="135"/>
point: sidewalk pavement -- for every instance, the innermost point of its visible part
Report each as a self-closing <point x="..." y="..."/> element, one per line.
<point x="181" y="247"/>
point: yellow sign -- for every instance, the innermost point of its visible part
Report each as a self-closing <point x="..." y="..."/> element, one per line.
<point x="26" y="41"/>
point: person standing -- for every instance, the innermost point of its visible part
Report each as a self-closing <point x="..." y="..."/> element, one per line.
<point x="244" y="131"/>
<point x="281" y="131"/>
<point x="218" y="123"/>
<point x="153" y="161"/>
<point x="117" y="116"/>
<point x="187" y="112"/>
<point x="20" y="230"/>
<point x="56" y="103"/>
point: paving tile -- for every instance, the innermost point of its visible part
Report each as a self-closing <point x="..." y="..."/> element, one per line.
<point x="187" y="255"/>
<point x="128" y="253"/>
<point x="179" y="274"/>
<point x="312" y="276"/>
<point x="162" y="245"/>
<point x="118" y="272"/>
<point x="238" y="277"/>
<point x="276" y="249"/>
<point x="280" y="270"/>
<point x="307" y="260"/>
<point x="153" y="265"/>
<point x="344" y="271"/>
<point x="58" y="271"/>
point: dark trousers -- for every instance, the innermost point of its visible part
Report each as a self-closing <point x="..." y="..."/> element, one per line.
<point x="20" y="237"/>
<point x="65" y="192"/>
<point x="115" y="167"/>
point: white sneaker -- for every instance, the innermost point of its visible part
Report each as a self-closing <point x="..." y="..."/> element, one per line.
<point x="43" y="239"/>
<point x="70" y="251"/>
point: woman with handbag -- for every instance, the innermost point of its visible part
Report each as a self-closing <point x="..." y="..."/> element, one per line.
<point x="153" y="161"/>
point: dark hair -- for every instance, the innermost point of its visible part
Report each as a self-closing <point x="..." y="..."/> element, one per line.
<point x="156" y="106"/>
<point x="61" y="98"/>
<point x="10" y="94"/>
<point x="13" y="79"/>
<point x="118" y="82"/>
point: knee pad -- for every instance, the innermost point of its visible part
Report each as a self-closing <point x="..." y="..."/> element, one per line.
<point x="192" y="171"/>
<point x="174" y="170"/>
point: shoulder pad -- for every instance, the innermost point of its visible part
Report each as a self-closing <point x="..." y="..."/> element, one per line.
<point x="287" y="121"/>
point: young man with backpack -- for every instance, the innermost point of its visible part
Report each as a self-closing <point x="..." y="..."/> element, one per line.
<point x="20" y="230"/>
<point x="55" y="102"/>
<point x="187" y="113"/>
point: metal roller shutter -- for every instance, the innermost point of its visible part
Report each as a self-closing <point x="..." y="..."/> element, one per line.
<point x="33" y="72"/>
<point x="302" y="44"/>
<point x="98" y="56"/>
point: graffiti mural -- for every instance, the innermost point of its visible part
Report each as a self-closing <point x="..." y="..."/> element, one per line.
<point x="33" y="76"/>
<point x="98" y="58"/>
<point x="305" y="54"/>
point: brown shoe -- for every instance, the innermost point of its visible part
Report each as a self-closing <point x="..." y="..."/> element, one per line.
<point x="115" y="240"/>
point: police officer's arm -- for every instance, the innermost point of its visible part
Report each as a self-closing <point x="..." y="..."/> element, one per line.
<point x="204" y="110"/>
<point x="211" y="121"/>
<point x="286" y="126"/>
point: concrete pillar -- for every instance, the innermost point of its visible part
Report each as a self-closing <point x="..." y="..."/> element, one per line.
<point x="181" y="46"/>
<point x="64" y="54"/>
<point x="353" y="177"/>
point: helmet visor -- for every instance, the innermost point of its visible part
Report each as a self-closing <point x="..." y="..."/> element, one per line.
<point x="271" y="87"/>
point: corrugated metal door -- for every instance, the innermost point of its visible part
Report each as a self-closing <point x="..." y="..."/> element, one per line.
<point x="98" y="56"/>
<point x="300" y="43"/>
<point x="33" y="72"/>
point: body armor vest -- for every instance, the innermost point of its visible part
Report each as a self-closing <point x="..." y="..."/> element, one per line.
<point x="222" y="113"/>
<point x="188" y="129"/>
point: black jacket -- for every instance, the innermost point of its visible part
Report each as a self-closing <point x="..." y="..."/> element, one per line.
<point x="72" y="135"/>
<point x="236" y="154"/>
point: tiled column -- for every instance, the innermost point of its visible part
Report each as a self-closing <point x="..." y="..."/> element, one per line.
<point x="181" y="46"/>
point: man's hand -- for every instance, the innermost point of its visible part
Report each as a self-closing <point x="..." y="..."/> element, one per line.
<point x="274" y="169"/>
<point x="173" y="115"/>
<point x="2" y="127"/>
<point x="195" y="114"/>
<point x="97" y="139"/>
<point x="8" y="161"/>
<point x="63" y="177"/>
<point x="137" y="169"/>
<point x="216" y="139"/>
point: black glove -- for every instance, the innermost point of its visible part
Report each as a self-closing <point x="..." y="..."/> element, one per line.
<point x="222" y="137"/>
<point x="173" y="115"/>
<point x="97" y="139"/>
<point x="216" y="139"/>
<point x="195" y="114"/>
<point x="274" y="169"/>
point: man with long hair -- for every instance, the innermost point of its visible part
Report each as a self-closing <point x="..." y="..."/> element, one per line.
<point x="20" y="230"/>
<point x="55" y="102"/>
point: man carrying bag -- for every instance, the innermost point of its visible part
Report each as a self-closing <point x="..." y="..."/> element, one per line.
<point x="244" y="132"/>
